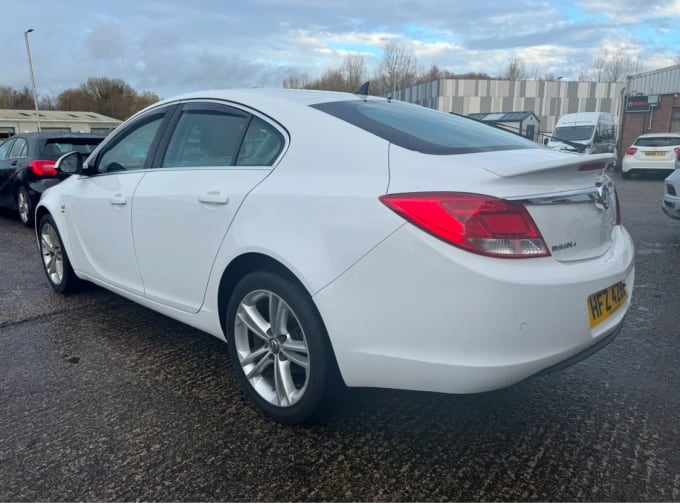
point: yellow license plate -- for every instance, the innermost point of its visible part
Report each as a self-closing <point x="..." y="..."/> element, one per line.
<point x="655" y="154"/>
<point x="603" y="304"/>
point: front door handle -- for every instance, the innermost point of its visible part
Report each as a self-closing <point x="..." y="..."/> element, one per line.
<point x="214" y="197"/>
<point x="118" y="199"/>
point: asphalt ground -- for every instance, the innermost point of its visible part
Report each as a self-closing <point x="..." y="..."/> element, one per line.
<point x="103" y="400"/>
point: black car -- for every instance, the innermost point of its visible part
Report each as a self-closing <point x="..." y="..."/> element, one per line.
<point x="27" y="166"/>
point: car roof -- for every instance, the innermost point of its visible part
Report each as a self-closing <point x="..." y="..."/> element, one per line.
<point x="48" y="135"/>
<point x="662" y="135"/>
<point x="300" y="96"/>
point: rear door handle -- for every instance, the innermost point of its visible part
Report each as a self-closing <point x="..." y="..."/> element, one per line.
<point x="118" y="199"/>
<point x="214" y="197"/>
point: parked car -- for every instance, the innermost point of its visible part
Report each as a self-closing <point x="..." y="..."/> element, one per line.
<point x="653" y="152"/>
<point x="27" y="167"/>
<point x="671" y="196"/>
<point x="328" y="234"/>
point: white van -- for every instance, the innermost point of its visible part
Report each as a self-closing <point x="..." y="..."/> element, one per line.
<point x="595" y="131"/>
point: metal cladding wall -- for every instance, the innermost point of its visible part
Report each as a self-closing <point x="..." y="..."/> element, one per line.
<point x="547" y="99"/>
<point x="658" y="82"/>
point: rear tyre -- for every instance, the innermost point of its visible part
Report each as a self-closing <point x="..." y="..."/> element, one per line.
<point x="25" y="207"/>
<point x="55" y="260"/>
<point x="278" y="346"/>
<point x="625" y="174"/>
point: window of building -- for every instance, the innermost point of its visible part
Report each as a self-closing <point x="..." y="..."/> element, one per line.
<point x="675" y="120"/>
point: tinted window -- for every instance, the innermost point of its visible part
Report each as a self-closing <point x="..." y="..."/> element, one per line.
<point x="657" y="141"/>
<point x="261" y="145"/>
<point x="131" y="148"/>
<point x="206" y="138"/>
<point x="5" y="148"/>
<point x="19" y="149"/>
<point x="57" y="147"/>
<point x="422" y="129"/>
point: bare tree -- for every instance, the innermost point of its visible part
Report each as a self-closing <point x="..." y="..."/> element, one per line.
<point x="516" y="69"/>
<point x="16" y="98"/>
<point x="600" y="64"/>
<point x="297" y="81"/>
<point x="397" y="70"/>
<point x="354" y="70"/>
<point x="620" y="65"/>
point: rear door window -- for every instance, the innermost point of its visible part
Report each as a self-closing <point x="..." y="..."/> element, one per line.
<point x="20" y="148"/>
<point x="5" y="148"/>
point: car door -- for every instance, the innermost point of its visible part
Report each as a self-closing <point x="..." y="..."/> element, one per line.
<point x="182" y="210"/>
<point x="7" y="169"/>
<point x="99" y="204"/>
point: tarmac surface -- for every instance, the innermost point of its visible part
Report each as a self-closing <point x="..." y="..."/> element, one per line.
<point x="103" y="400"/>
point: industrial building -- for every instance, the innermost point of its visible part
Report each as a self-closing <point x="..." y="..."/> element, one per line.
<point x="57" y="121"/>
<point x="652" y="105"/>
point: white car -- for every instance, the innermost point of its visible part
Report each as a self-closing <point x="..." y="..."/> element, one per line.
<point x="671" y="196"/>
<point x="653" y="152"/>
<point x="328" y="235"/>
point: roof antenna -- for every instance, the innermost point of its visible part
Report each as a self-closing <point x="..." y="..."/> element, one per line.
<point x="363" y="90"/>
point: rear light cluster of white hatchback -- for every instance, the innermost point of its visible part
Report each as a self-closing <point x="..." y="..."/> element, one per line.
<point x="481" y="224"/>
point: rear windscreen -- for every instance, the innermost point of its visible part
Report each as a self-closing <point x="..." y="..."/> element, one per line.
<point x="57" y="147"/>
<point x="422" y="129"/>
<point x="657" y="141"/>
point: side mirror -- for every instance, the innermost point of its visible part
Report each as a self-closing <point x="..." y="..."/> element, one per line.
<point x="70" y="163"/>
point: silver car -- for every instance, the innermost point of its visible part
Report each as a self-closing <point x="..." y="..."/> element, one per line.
<point x="671" y="195"/>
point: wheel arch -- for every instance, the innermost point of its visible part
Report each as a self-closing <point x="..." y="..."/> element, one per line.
<point x="246" y="263"/>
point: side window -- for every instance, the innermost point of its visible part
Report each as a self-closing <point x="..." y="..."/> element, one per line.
<point x="206" y="137"/>
<point x="261" y="145"/>
<point x="19" y="149"/>
<point x="5" y="148"/>
<point x="131" y="150"/>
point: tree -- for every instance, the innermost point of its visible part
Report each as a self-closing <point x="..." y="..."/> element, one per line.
<point x="296" y="81"/>
<point x="516" y="69"/>
<point x="397" y="69"/>
<point x="111" y="97"/>
<point x="16" y="98"/>
<point x="354" y="71"/>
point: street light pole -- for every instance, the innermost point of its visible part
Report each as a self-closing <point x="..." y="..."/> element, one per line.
<point x="30" y="66"/>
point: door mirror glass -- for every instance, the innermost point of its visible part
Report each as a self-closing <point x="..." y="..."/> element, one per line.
<point x="70" y="163"/>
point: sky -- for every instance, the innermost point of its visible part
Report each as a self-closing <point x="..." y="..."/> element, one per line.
<point x="170" y="47"/>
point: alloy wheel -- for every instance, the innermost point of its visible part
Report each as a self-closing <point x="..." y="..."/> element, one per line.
<point x="23" y="206"/>
<point x="272" y="348"/>
<point x="52" y="254"/>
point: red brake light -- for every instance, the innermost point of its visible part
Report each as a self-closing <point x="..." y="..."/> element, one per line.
<point x="677" y="153"/>
<point x="480" y="224"/>
<point x="43" y="168"/>
<point x="630" y="151"/>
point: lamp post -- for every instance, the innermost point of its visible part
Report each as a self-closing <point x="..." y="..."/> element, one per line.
<point x="30" y="66"/>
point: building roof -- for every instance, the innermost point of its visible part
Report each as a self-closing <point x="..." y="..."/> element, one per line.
<point x="56" y="116"/>
<point x="662" y="81"/>
<point x="502" y="116"/>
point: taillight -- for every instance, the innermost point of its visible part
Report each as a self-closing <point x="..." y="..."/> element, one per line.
<point x="480" y="224"/>
<point x="630" y="151"/>
<point x="677" y="153"/>
<point x="43" y="168"/>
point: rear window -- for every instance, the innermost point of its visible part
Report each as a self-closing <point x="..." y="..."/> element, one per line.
<point x="422" y="129"/>
<point x="657" y="141"/>
<point x="57" y="147"/>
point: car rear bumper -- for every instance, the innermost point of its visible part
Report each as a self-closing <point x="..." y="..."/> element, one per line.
<point x="416" y="313"/>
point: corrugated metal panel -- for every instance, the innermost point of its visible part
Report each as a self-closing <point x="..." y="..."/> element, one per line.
<point x="662" y="81"/>
<point x="55" y="115"/>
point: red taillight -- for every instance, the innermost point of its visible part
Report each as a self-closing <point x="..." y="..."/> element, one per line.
<point x="480" y="224"/>
<point x="630" y="151"/>
<point x="43" y="168"/>
<point x="677" y="153"/>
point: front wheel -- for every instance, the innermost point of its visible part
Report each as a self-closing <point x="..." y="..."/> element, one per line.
<point x="278" y="346"/>
<point x="24" y="207"/>
<point x="55" y="260"/>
